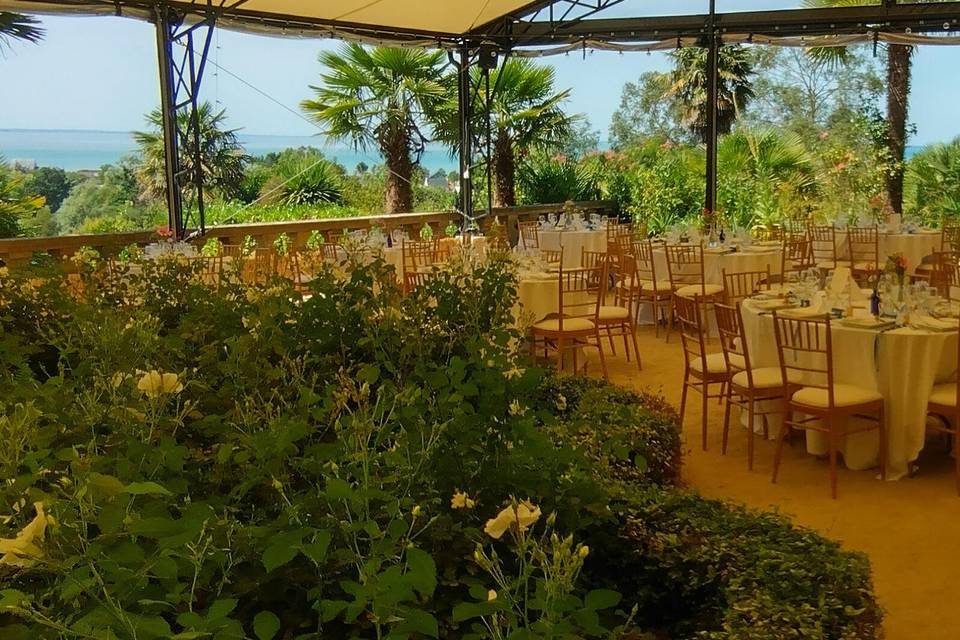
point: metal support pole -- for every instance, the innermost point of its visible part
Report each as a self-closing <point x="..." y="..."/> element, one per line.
<point x="713" y="55"/>
<point x="466" y="135"/>
<point x="487" y="109"/>
<point x="168" y="110"/>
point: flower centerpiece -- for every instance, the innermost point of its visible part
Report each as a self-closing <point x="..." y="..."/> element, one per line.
<point x="897" y="267"/>
<point x="426" y="233"/>
<point x="451" y="230"/>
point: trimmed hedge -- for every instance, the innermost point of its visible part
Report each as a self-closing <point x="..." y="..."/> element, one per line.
<point x="701" y="568"/>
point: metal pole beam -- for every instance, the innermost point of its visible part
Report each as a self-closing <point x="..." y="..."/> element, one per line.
<point x="713" y="68"/>
<point x="466" y="134"/>
<point x="168" y="111"/>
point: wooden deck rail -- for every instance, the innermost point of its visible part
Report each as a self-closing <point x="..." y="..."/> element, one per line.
<point x="17" y="250"/>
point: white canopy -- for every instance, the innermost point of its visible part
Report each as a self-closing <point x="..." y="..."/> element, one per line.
<point x="367" y="19"/>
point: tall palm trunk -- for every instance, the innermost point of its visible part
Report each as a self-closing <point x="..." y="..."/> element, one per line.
<point x="898" y="94"/>
<point x="399" y="190"/>
<point x="505" y="168"/>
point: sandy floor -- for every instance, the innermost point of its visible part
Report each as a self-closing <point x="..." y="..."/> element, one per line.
<point x="910" y="529"/>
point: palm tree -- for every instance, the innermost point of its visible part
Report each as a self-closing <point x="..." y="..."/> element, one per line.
<point x="16" y="26"/>
<point x="689" y="85"/>
<point x="381" y="97"/>
<point x="898" y="95"/>
<point x="221" y="155"/>
<point x="526" y="115"/>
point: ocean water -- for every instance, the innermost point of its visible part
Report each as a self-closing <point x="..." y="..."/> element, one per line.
<point x="74" y="150"/>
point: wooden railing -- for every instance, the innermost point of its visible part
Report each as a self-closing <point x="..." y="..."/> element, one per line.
<point x="17" y="250"/>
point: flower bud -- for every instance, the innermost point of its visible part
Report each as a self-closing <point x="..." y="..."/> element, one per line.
<point x="584" y="551"/>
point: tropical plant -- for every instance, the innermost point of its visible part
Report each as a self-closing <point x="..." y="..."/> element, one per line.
<point x="221" y="156"/>
<point x="933" y="182"/>
<point x="303" y="177"/>
<point x="899" y="59"/>
<point x="381" y="97"/>
<point x="763" y="176"/>
<point x="17" y="26"/>
<point x="526" y="115"/>
<point x="543" y="179"/>
<point x="689" y="85"/>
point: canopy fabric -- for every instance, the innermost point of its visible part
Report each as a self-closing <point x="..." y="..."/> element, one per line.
<point x="372" y="19"/>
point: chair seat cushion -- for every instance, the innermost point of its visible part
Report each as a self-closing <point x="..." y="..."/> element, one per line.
<point x="944" y="394"/>
<point x="614" y="313"/>
<point x="865" y="266"/>
<point x="649" y="286"/>
<point x="763" y="378"/>
<point x="844" y="395"/>
<point x="716" y="363"/>
<point x="569" y="324"/>
<point x="737" y="361"/>
<point x="692" y="290"/>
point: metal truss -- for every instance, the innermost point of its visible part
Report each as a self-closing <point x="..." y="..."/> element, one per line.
<point x="181" y="75"/>
<point x="476" y="97"/>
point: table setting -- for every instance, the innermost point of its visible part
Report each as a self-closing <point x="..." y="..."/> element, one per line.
<point x="897" y="339"/>
<point x="573" y="233"/>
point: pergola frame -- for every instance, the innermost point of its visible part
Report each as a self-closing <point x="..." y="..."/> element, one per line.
<point x="539" y="23"/>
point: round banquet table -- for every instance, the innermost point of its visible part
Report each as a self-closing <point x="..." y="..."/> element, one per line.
<point x="538" y="295"/>
<point x="573" y="242"/>
<point x="915" y="246"/>
<point x="716" y="261"/>
<point x="903" y="364"/>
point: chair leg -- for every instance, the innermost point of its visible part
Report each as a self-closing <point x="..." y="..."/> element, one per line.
<point x="784" y="430"/>
<point x="560" y="348"/>
<point x="832" y="444"/>
<point x="750" y="434"/>
<point x="703" y="416"/>
<point x="576" y="351"/>
<point x="683" y="398"/>
<point x="726" y="423"/>
<point x="613" y="348"/>
<point x="883" y="447"/>
<point x="657" y="311"/>
<point x="636" y="349"/>
<point x="603" y="360"/>
<point x="624" y="328"/>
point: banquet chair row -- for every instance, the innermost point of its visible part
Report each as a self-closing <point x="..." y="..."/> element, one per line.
<point x="804" y="383"/>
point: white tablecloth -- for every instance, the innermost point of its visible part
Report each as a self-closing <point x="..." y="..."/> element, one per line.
<point x="902" y="364"/>
<point x="537" y="297"/>
<point x="573" y="242"/>
<point x="915" y="246"/>
<point x="715" y="262"/>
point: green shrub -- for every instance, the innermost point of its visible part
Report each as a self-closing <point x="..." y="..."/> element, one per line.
<point x="543" y="179"/>
<point x="243" y="461"/>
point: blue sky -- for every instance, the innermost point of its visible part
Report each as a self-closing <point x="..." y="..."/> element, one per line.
<point x="100" y="73"/>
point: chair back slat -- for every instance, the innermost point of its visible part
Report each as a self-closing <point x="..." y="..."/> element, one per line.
<point x="733" y="339"/>
<point x="950" y="238"/>
<point x="945" y="273"/>
<point x="691" y="331"/>
<point x="864" y="246"/>
<point x="823" y="243"/>
<point x="685" y="264"/>
<point x="797" y="254"/>
<point x="529" y="234"/>
<point x="806" y="351"/>
<point x="740" y="285"/>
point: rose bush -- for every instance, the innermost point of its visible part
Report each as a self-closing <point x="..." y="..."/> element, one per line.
<point x="245" y="461"/>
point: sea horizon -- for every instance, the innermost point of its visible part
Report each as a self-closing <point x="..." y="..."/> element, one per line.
<point x="91" y="149"/>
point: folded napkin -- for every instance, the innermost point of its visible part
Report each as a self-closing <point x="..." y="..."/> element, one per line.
<point x="866" y="322"/>
<point x="756" y="248"/>
<point x="928" y="323"/>
<point x="802" y="313"/>
<point x="770" y="305"/>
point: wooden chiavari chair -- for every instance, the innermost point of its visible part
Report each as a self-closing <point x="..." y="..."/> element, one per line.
<point x="823" y="246"/>
<point x="864" y="248"/>
<point x="529" y="234"/>
<point x="208" y="269"/>
<point x="701" y="369"/>
<point x="686" y="269"/>
<point x="591" y="259"/>
<point x="333" y="253"/>
<point x="575" y="323"/>
<point x="747" y="385"/>
<point x="291" y="267"/>
<point x="740" y="285"/>
<point x="768" y="234"/>
<point x="950" y="238"/>
<point x="419" y="257"/>
<point x="616" y="314"/>
<point x="944" y="273"/>
<point x="553" y="257"/>
<point x="944" y="401"/>
<point x="805" y="348"/>
<point x="797" y="255"/>
<point x="259" y="266"/>
<point x="652" y="291"/>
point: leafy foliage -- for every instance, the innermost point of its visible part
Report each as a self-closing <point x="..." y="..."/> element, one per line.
<point x="543" y="179"/>
<point x="933" y="183"/>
